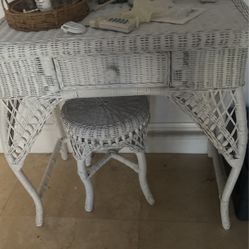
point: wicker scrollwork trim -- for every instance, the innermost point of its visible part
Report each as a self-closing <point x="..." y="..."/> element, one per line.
<point x="82" y="148"/>
<point x="218" y="112"/>
<point x="243" y="7"/>
<point x="106" y="123"/>
<point x="22" y="121"/>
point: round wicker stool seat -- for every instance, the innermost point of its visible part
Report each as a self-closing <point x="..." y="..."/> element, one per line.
<point x="105" y="118"/>
<point x="98" y="123"/>
<point x="107" y="124"/>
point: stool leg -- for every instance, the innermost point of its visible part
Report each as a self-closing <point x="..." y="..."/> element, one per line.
<point x="142" y="171"/>
<point x="224" y="202"/>
<point x="82" y="172"/>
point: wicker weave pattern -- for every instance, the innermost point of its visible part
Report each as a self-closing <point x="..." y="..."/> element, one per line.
<point x="209" y="69"/>
<point x="52" y="19"/>
<point x="116" y="44"/>
<point x="130" y="69"/>
<point x="25" y="119"/>
<point x="222" y="116"/>
<point x="61" y="61"/>
<point x="105" y="123"/>
<point x="27" y="77"/>
<point x="206" y="54"/>
<point x="243" y="8"/>
<point x="203" y="69"/>
<point x="217" y="113"/>
<point x="83" y="148"/>
<point x="210" y="30"/>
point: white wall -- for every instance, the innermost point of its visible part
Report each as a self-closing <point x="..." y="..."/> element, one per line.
<point x="173" y="130"/>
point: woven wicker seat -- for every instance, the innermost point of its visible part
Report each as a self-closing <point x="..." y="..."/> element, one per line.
<point x="105" y="118"/>
<point x="107" y="124"/>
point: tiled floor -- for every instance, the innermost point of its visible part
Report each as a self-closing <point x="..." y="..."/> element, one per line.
<point x="185" y="216"/>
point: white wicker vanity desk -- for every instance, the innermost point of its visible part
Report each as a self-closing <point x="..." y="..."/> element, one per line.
<point x="200" y="66"/>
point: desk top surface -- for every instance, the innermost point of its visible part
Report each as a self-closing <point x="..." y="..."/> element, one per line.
<point x="222" y="15"/>
<point x="222" y="25"/>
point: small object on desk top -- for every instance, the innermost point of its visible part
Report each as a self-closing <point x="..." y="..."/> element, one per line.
<point x="114" y="23"/>
<point x="162" y="11"/>
<point x="144" y="10"/>
<point x="73" y="27"/>
<point x="178" y="15"/>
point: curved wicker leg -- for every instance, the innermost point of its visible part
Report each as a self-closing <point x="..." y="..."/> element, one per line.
<point x="82" y="172"/>
<point x="222" y="116"/>
<point x="21" y="122"/>
<point x="237" y="162"/>
<point x="142" y="171"/>
<point x="224" y="202"/>
<point x="33" y="194"/>
<point x="64" y="149"/>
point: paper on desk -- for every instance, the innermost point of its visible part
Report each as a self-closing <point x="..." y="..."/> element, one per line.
<point x="177" y="14"/>
<point x="143" y="10"/>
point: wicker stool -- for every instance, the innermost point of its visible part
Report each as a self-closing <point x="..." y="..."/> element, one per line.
<point x="107" y="124"/>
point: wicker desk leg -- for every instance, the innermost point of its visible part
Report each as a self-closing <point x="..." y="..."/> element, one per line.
<point x="222" y="116"/>
<point x="237" y="161"/>
<point x="21" y="121"/>
<point x="32" y="192"/>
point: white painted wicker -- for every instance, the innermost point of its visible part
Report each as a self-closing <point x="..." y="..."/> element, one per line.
<point x="200" y="66"/>
<point x="26" y="118"/>
<point x="124" y="71"/>
<point x="218" y="112"/>
<point x="222" y="116"/>
<point x="107" y="124"/>
<point x="208" y="69"/>
<point x="34" y="76"/>
<point x="21" y="122"/>
<point x="243" y="7"/>
<point x="42" y="63"/>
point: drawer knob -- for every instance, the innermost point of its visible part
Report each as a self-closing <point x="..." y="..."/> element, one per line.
<point x="111" y="74"/>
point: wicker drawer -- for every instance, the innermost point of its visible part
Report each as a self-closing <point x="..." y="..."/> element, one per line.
<point x="125" y="70"/>
<point x="209" y="69"/>
<point x="27" y="77"/>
